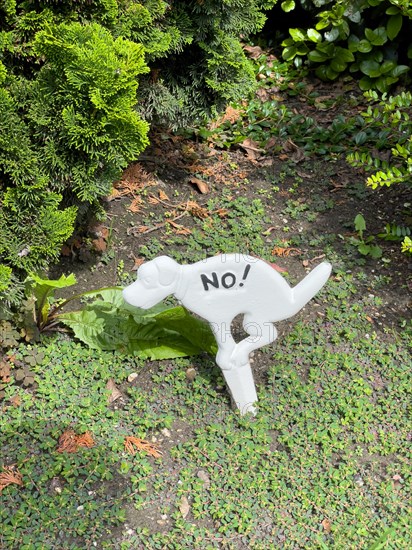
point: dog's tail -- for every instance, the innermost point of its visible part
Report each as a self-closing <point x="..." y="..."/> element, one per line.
<point x="310" y="285"/>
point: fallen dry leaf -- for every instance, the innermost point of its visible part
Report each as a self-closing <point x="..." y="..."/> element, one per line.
<point x="204" y="476"/>
<point x="163" y="196"/>
<point x="137" y="263"/>
<point x="15" y="400"/>
<point x="262" y="94"/>
<point x="5" y="372"/>
<point x="327" y="525"/>
<point x="179" y="229"/>
<point x="200" y="184"/>
<point x="294" y="152"/>
<point x="184" y="507"/>
<point x="99" y="230"/>
<point x="66" y="250"/>
<point x="230" y="115"/>
<point x="99" y="245"/>
<point x="284" y="252"/>
<point x="253" y="51"/>
<point x="252" y="149"/>
<point x="152" y="200"/>
<point x="10" y="475"/>
<point x="196" y="210"/>
<point x="134" y="444"/>
<point x="271" y="143"/>
<point x="70" y="442"/>
<point x="222" y="212"/>
<point x="136" y="205"/>
<point x="115" y="393"/>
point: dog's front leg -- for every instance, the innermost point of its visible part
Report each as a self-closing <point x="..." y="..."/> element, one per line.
<point x="260" y="333"/>
<point x="225" y="343"/>
<point x="239" y="378"/>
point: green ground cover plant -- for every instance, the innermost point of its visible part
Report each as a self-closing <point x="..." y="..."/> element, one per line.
<point x="324" y="464"/>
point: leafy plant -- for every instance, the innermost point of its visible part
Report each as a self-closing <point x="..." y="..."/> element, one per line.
<point x="385" y="147"/>
<point x="109" y="324"/>
<point x="365" y="245"/>
<point x="362" y="37"/>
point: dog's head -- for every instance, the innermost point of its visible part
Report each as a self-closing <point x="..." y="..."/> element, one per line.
<point x="155" y="280"/>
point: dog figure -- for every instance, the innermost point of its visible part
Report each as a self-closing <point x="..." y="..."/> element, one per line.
<point x="220" y="288"/>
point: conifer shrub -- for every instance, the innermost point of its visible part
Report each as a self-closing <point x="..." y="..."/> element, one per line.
<point x="80" y="82"/>
<point x="66" y="134"/>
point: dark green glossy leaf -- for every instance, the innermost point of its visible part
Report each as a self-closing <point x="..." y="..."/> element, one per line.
<point x="377" y="37"/>
<point x="370" y="68"/>
<point x="394" y="25"/>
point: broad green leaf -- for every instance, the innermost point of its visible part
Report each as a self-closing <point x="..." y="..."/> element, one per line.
<point x="314" y="35"/>
<point x="353" y="43"/>
<point x="394" y="25"/>
<point x="383" y="83"/>
<point x="399" y="69"/>
<point x="332" y="35"/>
<point x="364" y="46"/>
<point x="317" y="56"/>
<point x="41" y="289"/>
<point x="393" y="10"/>
<point x="387" y="66"/>
<point x="289" y="53"/>
<point x="195" y="330"/>
<point x="44" y="286"/>
<point x="360" y="224"/>
<point x="110" y="324"/>
<point x="355" y="17"/>
<point x="325" y="47"/>
<point x="364" y="249"/>
<point x="377" y="37"/>
<point x="301" y="49"/>
<point x="360" y="137"/>
<point x="298" y="62"/>
<point x="322" y="24"/>
<point x="111" y="295"/>
<point x="342" y="54"/>
<point x="297" y="35"/>
<point x="288" y="5"/>
<point x="375" y="251"/>
<point x="325" y="72"/>
<point x="337" y="65"/>
<point x="370" y="68"/>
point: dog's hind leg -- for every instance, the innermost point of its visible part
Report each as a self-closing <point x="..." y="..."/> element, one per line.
<point x="260" y="333"/>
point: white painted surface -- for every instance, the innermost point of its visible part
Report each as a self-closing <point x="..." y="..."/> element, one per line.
<point x="220" y="288"/>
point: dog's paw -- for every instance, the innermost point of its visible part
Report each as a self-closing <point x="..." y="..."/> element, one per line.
<point x="223" y="359"/>
<point x="239" y="357"/>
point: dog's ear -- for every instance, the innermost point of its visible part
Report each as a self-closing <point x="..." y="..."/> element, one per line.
<point x="168" y="270"/>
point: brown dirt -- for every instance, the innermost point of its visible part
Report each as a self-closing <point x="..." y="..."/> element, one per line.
<point x="167" y="170"/>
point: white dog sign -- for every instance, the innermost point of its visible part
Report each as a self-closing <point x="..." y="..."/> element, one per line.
<point x="220" y="288"/>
